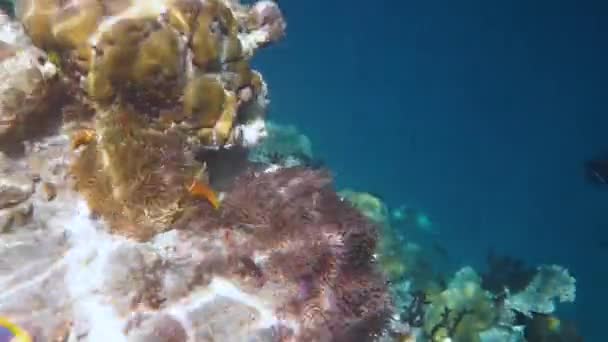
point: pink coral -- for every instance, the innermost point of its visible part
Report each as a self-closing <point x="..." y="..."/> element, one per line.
<point x="313" y="243"/>
<point x="268" y="17"/>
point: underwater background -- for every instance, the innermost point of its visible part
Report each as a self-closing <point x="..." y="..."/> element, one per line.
<point x="480" y="114"/>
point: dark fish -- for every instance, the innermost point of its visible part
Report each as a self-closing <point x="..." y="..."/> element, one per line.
<point x="603" y="245"/>
<point x="596" y="171"/>
<point x="440" y="250"/>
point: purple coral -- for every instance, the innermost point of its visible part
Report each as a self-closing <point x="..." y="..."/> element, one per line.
<point x="315" y="244"/>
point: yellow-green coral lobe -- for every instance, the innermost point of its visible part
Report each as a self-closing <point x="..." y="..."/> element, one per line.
<point x="73" y="26"/>
<point x="203" y="101"/>
<point x="158" y="57"/>
<point x="182" y="15"/>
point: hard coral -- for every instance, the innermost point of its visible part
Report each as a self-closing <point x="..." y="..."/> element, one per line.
<point x="180" y="62"/>
<point x="462" y="311"/>
<point x="29" y="92"/>
<point x="551" y="283"/>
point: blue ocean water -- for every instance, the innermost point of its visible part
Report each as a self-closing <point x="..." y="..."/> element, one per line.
<point x="479" y="113"/>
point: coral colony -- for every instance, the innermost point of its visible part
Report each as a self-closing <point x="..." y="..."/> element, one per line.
<point x="145" y="197"/>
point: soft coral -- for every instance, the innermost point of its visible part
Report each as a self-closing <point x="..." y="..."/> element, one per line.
<point x="318" y="245"/>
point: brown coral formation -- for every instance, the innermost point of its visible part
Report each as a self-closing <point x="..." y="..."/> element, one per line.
<point x="147" y="191"/>
<point x="178" y="62"/>
<point x="165" y="78"/>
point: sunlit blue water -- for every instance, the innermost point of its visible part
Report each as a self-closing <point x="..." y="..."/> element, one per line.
<point x="479" y="112"/>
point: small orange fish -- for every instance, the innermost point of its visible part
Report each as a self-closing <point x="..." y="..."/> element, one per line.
<point x="82" y="137"/>
<point x="201" y="190"/>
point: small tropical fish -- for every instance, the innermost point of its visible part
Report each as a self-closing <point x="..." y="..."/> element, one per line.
<point x="203" y="191"/>
<point x="597" y="171"/>
<point x="82" y="137"/>
<point x="553" y="324"/>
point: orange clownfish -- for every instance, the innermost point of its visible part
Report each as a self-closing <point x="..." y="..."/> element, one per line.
<point x="203" y="191"/>
<point x="82" y="137"/>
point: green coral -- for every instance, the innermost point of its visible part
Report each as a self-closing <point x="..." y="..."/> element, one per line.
<point x="371" y="206"/>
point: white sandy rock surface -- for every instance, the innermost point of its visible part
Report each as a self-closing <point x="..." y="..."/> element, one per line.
<point x="64" y="278"/>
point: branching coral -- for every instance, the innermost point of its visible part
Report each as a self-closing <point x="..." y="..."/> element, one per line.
<point x="462" y="311"/>
<point x="467" y="312"/>
<point x="551" y="283"/>
<point x="469" y="307"/>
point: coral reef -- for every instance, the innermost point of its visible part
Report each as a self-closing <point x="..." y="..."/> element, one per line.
<point x="317" y="241"/>
<point x="111" y="230"/>
<point x="462" y="310"/>
<point x="509" y="302"/>
<point x="144" y="197"/>
<point x="178" y="63"/>
<point x="406" y="263"/>
<point x="283" y="258"/>
<point x="164" y="79"/>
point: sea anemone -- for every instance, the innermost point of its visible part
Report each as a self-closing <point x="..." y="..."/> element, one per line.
<point x="290" y="227"/>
